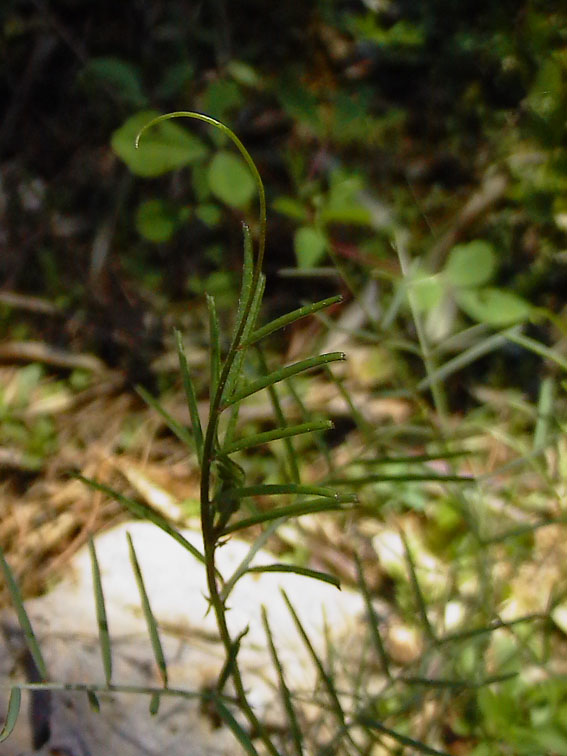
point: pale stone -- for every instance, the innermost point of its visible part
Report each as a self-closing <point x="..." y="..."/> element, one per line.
<point x="65" y="624"/>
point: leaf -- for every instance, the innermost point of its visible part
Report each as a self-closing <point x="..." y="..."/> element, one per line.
<point x="291" y="207"/>
<point x="237" y="730"/>
<point x="148" y="614"/>
<point x="94" y="703"/>
<point x="257" y="439"/>
<point x="295" y="729"/>
<point x="471" y="264"/>
<point x="310" y="245"/>
<point x="230" y="180"/>
<point x="305" y="571"/>
<point x="373" y="621"/>
<point x="343" y="204"/>
<point x="179" y="430"/>
<point x="214" y="345"/>
<point x="275" y="489"/>
<point x="155" y="221"/>
<point x="12" y="713"/>
<point x="325" y="677"/>
<point x="289" y="318"/>
<point x="120" y="76"/>
<point x="243" y="73"/>
<point x="166" y="147"/>
<point x="101" y="617"/>
<point x="190" y="395"/>
<point x="293" y="510"/>
<point x="373" y="724"/>
<point x="283" y="373"/>
<point x="23" y="619"/>
<point x="495" y="307"/>
<point x="427" y="290"/>
<point x="546" y="94"/>
<point x="155" y="701"/>
<point x="145" y="513"/>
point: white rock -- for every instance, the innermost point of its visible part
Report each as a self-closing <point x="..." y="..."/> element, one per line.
<point x="65" y="624"/>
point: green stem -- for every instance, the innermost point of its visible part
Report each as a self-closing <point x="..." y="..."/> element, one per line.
<point x="215" y="409"/>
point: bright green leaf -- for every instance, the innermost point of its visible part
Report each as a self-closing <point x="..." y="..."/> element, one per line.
<point x="209" y="214"/>
<point x="495" y="307"/>
<point x="155" y="221"/>
<point x="471" y="264"/>
<point x="310" y="246"/>
<point x="165" y="147"/>
<point x="427" y="291"/>
<point x="546" y="94"/>
<point x="291" y="207"/>
<point x="243" y="73"/>
<point x="230" y="180"/>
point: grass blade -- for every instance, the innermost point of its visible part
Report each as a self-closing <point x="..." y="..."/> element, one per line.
<point x="293" y="510"/>
<point x="373" y="724"/>
<point x="409" y="478"/>
<point x="144" y="513"/>
<point x="283" y="373"/>
<point x="23" y="619"/>
<point x="247" y="278"/>
<point x="190" y="395"/>
<point x="257" y="439"/>
<point x="148" y="614"/>
<point x="101" y="617"/>
<point x="155" y="701"/>
<point x="236" y="369"/>
<point x="295" y="729"/>
<point x="237" y="730"/>
<point x="94" y="703"/>
<point x="214" y="348"/>
<point x="372" y="620"/>
<point x="420" y="600"/>
<point x="544" y="413"/>
<point x="305" y="571"/>
<point x="12" y="713"/>
<point x="325" y="678"/>
<point x="538" y="348"/>
<point x="465" y="358"/>
<point x="306" y="415"/>
<point x="289" y="318"/>
<point x="179" y="430"/>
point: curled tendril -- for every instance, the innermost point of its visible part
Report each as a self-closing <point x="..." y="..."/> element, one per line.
<point x="249" y="162"/>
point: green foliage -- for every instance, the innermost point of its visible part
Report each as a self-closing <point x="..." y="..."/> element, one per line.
<point x="169" y="147"/>
<point x="119" y="76"/>
<point x="230" y="181"/>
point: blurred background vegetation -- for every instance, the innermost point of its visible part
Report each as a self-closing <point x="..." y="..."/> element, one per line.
<point x="444" y="122"/>
<point x="415" y="160"/>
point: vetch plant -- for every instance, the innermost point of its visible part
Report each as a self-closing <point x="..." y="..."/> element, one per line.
<point x="223" y="488"/>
